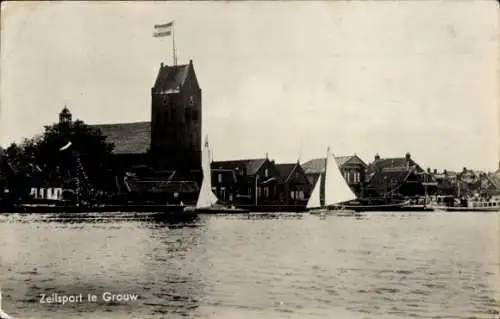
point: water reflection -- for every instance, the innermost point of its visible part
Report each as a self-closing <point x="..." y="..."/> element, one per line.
<point x="255" y="266"/>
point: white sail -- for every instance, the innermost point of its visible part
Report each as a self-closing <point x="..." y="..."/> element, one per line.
<point x="206" y="198"/>
<point x="336" y="188"/>
<point x="314" y="199"/>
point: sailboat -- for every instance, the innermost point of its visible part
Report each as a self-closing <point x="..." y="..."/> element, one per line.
<point x="337" y="191"/>
<point x="207" y="201"/>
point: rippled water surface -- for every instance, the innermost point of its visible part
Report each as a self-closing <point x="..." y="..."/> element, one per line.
<point x="382" y="265"/>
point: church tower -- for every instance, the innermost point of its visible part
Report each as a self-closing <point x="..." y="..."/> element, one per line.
<point x="176" y="118"/>
<point x="65" y="116"/>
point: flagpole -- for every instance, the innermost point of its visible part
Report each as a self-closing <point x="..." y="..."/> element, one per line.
<point x="173" y="43"/>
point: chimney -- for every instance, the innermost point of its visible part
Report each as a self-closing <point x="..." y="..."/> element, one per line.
<point x="435" y="171"/>
<point x="377" y="157"/>
<point x="161" y="65"/>
<point x="407" y="156"/>
<point x="190" y="62"/>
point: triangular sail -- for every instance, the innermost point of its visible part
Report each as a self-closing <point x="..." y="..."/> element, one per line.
<point x="336" y="188"/>
<point x="314" y="199"/>
<point x="206" y="198"/>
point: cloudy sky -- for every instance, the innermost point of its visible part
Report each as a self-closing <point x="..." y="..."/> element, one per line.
<point x="284" y="78"/>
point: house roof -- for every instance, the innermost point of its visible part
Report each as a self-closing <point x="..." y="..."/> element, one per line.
<point x="128" y="138"/>
<point x="394" y="163"/>
<point x="285" y="169"/>
<point x="317" y="165"/>
<point x="171" y="77"/>
<point x="251" y="166"/>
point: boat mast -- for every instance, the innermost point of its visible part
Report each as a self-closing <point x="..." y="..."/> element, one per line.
<point x="324" y="179"/>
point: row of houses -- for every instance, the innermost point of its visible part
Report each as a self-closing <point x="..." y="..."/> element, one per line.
<point x="261" y="181"/>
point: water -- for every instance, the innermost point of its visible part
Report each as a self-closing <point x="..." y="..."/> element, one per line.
<point x="382" y="265"/>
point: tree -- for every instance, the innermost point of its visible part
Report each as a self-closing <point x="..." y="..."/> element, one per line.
<point x="41" y="155"/>
<point x="88" y="143"/>
<point x="19" y="167"/>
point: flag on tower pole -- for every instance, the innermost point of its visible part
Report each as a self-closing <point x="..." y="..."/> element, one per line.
<point x="163" y="30"/>
<point x="166" y="30"/>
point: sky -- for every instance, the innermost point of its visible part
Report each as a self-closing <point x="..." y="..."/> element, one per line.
<point x="286" y="78"/>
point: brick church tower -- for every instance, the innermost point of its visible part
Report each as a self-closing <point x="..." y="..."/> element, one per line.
<point x="176" y="118"/>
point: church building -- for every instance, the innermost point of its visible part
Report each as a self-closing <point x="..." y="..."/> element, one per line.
<point x="171" y="140"/>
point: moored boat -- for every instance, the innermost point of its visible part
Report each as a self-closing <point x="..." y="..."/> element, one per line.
<point x="395" y="206"/>
<point x="470" y="205"/>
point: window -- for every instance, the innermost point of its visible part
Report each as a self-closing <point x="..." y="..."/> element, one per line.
<point x="188" y="115"/>
<point x="356" y="177"/>
<point x="194" y="141"/>
<point x="266" y="192"/>
<point x="195" y="115"/>
<point x="301" y="195"/>
<point x="259" y="191"/>
<point x="219" y="178"/>
<point x="292" y="194"/>
<point x="266" y="172"/>
<point x="223" y="193"/>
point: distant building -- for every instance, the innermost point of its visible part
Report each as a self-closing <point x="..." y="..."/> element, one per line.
<point x="353" y="169"/>
<point x="258" y="180"/>
<point x="225" y="184"/>
<point x="172" y="139"/>
<point x="398" y="177"/>
<point x="295" y="187"/>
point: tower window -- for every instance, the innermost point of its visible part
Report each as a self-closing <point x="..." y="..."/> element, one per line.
<point x="164" y="100"/>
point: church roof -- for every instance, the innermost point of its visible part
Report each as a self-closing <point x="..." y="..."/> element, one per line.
<point x="128" y="138"/>
<point x="171" y="77"/>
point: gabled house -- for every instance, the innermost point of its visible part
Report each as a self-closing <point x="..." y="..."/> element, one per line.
<point x="224" y="184"/>
<point x="257" y="180"/>
<point x="398" y="177"/>
<point x="353" y="169"/>
<point x="295" y="187"/>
